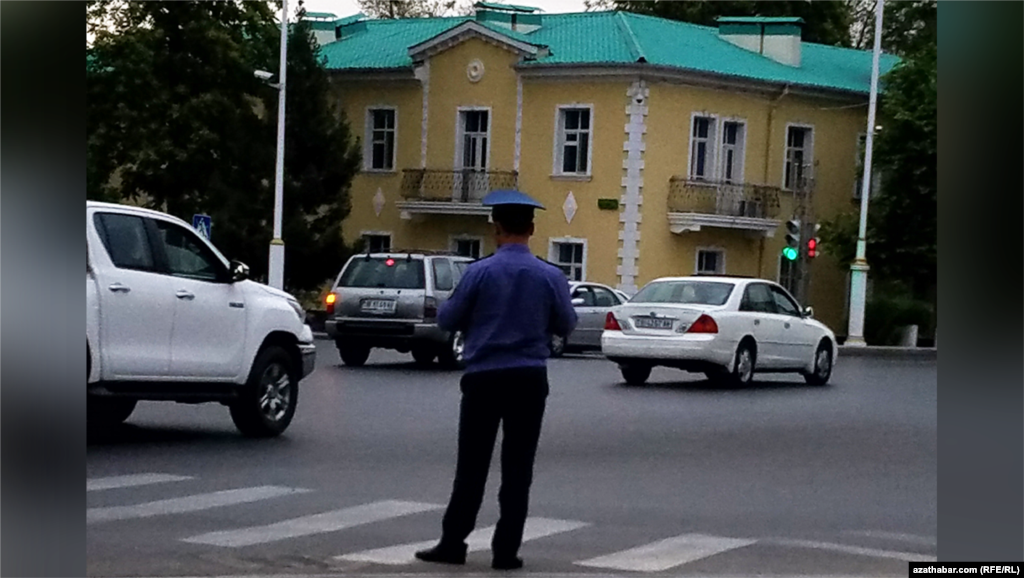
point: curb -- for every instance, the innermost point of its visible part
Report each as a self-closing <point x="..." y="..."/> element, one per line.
<point x="929" y="353"/>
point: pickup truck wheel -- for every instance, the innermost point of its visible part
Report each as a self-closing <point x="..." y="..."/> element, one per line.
<point x="108" y="411"/>
<point x="267" y="405"/>
<point x="354" y="355"/>
<point x="451" y="356"/>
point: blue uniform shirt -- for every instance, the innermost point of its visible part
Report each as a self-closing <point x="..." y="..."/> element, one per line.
<point x="507" y="306"/>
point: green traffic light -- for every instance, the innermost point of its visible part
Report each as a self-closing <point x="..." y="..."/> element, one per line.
<point x="789" y="253"/>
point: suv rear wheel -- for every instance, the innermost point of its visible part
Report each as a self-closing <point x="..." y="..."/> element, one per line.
<point x="354" y="355"/>
<point x="423" y="355"/>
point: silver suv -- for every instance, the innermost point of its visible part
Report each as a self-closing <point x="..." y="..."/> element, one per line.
<point x="390" y="300"/>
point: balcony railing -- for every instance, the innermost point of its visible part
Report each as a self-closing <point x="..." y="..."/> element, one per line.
<point x="724" y="199"/>
<point x="454" y="186"/>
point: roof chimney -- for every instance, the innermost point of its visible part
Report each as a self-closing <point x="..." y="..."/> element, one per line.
<point x="776" y="38"/>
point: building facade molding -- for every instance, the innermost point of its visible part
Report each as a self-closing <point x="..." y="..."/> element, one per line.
<point x="632" y="186"/>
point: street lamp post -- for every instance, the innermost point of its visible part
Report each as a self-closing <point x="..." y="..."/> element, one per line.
<point x="859" y="268"/>
<point x="276" y="266"/>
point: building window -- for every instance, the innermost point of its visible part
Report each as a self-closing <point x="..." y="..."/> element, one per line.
<point x="568" y="256"/>
<point x="702" y="139"/>
<point x="376" y="243"/>
<point x="467" y="247"/>
<point x="798" y="156"/>
<point x="787" y="274"/>
<point x="733" y="134"/>
<point x="710" y="261"/>
<point x="475" y="129"/>
<point x="574" y="140"/>
<point x="382" y="139"/>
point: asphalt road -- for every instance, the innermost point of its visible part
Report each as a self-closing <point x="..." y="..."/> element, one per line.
<point x="673" y="478"/>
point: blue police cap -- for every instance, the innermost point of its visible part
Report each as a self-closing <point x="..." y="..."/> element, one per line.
<point x="509" y="197"/>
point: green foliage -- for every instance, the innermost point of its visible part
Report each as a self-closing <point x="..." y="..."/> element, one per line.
<point x="391" y="9"/>
<point x="885" y="316"/>
<point x="824" y="22"/>
<point x="177" y="121"/>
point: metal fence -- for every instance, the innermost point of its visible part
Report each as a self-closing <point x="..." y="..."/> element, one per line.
<point x="720" y="198"/>
<point x="466" y="185"/>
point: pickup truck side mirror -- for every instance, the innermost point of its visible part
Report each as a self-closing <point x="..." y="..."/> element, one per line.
<point x="239" y="271"/>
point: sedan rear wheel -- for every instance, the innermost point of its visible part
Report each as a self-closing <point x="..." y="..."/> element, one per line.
<point x="742" y="373"/>
<point x="635" y="374"/>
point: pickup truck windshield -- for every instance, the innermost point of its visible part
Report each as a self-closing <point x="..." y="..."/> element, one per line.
<point x="377" y="272"/>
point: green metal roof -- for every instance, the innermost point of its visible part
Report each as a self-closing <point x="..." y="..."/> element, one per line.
<point x="759" y="20"/>
<point x="617" y="38"/>
<point x="513" y="7"/>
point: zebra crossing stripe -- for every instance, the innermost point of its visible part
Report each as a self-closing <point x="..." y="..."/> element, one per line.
<point x="846" y="549"/>
<point x="477" y="541"/>
<point x="315" y="524"/>
<point x="114" y="482"/>
<point x="666" y="554"/>
<point x="186" y="504"/>
<point x="909" y="538"/>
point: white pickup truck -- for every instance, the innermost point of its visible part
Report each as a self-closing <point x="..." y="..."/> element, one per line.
<point x="169" y="318"/>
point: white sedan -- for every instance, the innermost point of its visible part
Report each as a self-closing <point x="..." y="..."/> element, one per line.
<point x="726" y="327"/>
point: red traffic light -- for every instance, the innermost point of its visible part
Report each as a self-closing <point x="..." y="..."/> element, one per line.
<point x="812" y="248"/>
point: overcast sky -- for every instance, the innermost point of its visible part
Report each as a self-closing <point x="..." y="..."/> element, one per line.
<point x="344" y="8"/>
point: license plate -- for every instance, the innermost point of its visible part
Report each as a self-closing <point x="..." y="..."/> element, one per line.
<point x="653" y="323"/>
<point x="378" y="305"/>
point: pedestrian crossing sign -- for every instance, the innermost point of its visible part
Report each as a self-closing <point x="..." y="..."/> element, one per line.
<point x="202" y="224"/>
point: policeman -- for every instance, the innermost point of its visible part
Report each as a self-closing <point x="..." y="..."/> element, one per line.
<point x="507" y="305"/>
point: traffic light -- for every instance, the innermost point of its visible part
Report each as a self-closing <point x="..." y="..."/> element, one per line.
<point x="812" y="243"/>
<point x="792" y="249"/>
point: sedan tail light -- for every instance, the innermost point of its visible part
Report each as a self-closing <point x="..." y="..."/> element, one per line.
<point x="331" y="298"/>
<point x="703" y="324"/>
<point x="610" y="323"/>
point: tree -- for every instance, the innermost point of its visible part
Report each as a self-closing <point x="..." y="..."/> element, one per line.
<point x="177" y="121"/>
<point x="392" y="9"/>
<point x="902" y="217"/>
<point x="824" y="22"/>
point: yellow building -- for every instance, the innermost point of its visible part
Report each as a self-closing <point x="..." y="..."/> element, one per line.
<point x="658" y="147"/>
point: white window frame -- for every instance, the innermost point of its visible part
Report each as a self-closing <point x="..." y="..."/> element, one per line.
<point x="739" y="168"/>
<point x="454" y="239"/>
<point x="710" y="164"/>
<point x="557" y="154"/>
<point x="460" y="135"/>
<point x="388" y="234"/>
<point x="710" y="249"/>
<point x="553" y="242"/>
<point x="808" y="147"/>
<point x="368" y="142"/>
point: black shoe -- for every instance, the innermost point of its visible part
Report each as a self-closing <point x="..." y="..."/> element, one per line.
<point x="507" y="563"/>
<point x="444" y="554"/>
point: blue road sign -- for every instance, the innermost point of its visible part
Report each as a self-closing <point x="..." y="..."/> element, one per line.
<point x="203" y="224"/>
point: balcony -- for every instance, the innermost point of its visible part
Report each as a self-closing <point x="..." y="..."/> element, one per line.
<point x="450" y="192"/>
<point x="693" y="204"/>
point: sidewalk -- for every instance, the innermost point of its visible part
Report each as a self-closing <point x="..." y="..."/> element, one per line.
<point x="929" y="353"/>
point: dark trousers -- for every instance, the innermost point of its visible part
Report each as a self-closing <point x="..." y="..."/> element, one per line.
<point x="515" y="398"/>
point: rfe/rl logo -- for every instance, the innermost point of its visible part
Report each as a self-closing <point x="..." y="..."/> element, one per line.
<point x="202" y="224"/>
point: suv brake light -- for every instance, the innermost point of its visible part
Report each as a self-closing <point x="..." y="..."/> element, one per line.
<point x="331" y="298"/>
<point x="429" y="307"/>
<point x="703" y="324"/>
<point x="610" y="323"/>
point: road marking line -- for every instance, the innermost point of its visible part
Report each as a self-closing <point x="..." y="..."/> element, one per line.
<point x="477" y="541"/>
<point x="910" y="538"/>
<point x="185" y="504"/>
<point x="666" y="554"/>
<point x="873" y="552"/>
<point x="315" y="524"/>
<point x="97" y="484"/>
